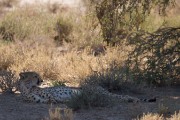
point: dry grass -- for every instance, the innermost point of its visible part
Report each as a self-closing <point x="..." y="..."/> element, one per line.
<point x="27" y="22"/>
<point x="35" y="50"/>
<point x="176" y="116"/>
<point x="60" y="114"/>
<point x="33" y="30"/>
<point x="7" y="4"/>
<point x="54" y="65"/>
<point x="151" y="116"/>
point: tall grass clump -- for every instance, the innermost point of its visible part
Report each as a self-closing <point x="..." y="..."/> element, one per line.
<point x="7" y="57"/>
<point x="150" y="116"/>
<point x="60" y="114"/>
<point x="25" y="22"/>
<point x="25" y="56"/>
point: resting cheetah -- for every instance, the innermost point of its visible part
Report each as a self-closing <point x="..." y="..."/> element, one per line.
<point x="29" y="82"/>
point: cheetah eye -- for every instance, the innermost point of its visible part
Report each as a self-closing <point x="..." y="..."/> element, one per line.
<point x="22" y="76"/>
<point x="35" y="76"/>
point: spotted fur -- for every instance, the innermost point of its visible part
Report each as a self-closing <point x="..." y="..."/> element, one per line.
<point x="30" y="91"/>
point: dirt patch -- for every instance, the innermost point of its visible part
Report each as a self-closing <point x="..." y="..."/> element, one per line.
<point x="13" y="108"/>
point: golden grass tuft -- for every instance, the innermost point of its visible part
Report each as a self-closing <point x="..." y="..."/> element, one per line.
<point x="60" y="114"/>
<point x="176" y="116"/>
<point x="151" y="116"/>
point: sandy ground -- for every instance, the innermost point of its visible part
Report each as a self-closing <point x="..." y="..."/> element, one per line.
<point x="13" y="108"/>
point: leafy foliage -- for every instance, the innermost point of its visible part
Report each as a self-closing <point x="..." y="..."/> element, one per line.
<point x="155" y="58"/>
<point x="118" y="17"/>
<point x="58" y="83"/>
<point x="112" y="79"/>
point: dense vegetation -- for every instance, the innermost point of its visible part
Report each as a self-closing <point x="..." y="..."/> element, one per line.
<point x="142" y="46"/>
<point x="117" y="44"/>
<point x="155" y="56"/>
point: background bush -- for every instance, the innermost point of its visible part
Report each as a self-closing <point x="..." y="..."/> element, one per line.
<point x="155" y="58"/>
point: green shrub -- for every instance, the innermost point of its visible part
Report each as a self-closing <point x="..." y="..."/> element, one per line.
<point x="127" y="15"/>
<point x="111" y="79"/>
<point x="155" y="59"/>
<point x="58" y="83"/>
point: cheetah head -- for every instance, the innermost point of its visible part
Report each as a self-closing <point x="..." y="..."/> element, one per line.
<point x="30" y="79"/>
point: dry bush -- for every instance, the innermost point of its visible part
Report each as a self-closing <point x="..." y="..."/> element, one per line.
<point x="63" y="29"/>
<point x="8" y="81"/>
<point x="60" y="114"/>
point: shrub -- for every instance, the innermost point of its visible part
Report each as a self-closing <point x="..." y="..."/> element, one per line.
<point x="89" y="97"/>
<point x="127" y="15"/>
<point x="58" y="83"/>
<point x="63" y="29"/>
<point x="112" y="78"/>
<point x="155" y="57"/>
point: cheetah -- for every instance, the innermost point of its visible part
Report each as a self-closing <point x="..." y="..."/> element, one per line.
<point x="30" y="91"/>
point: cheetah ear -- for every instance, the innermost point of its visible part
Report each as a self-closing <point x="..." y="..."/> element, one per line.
<point x="22" y="75"/>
